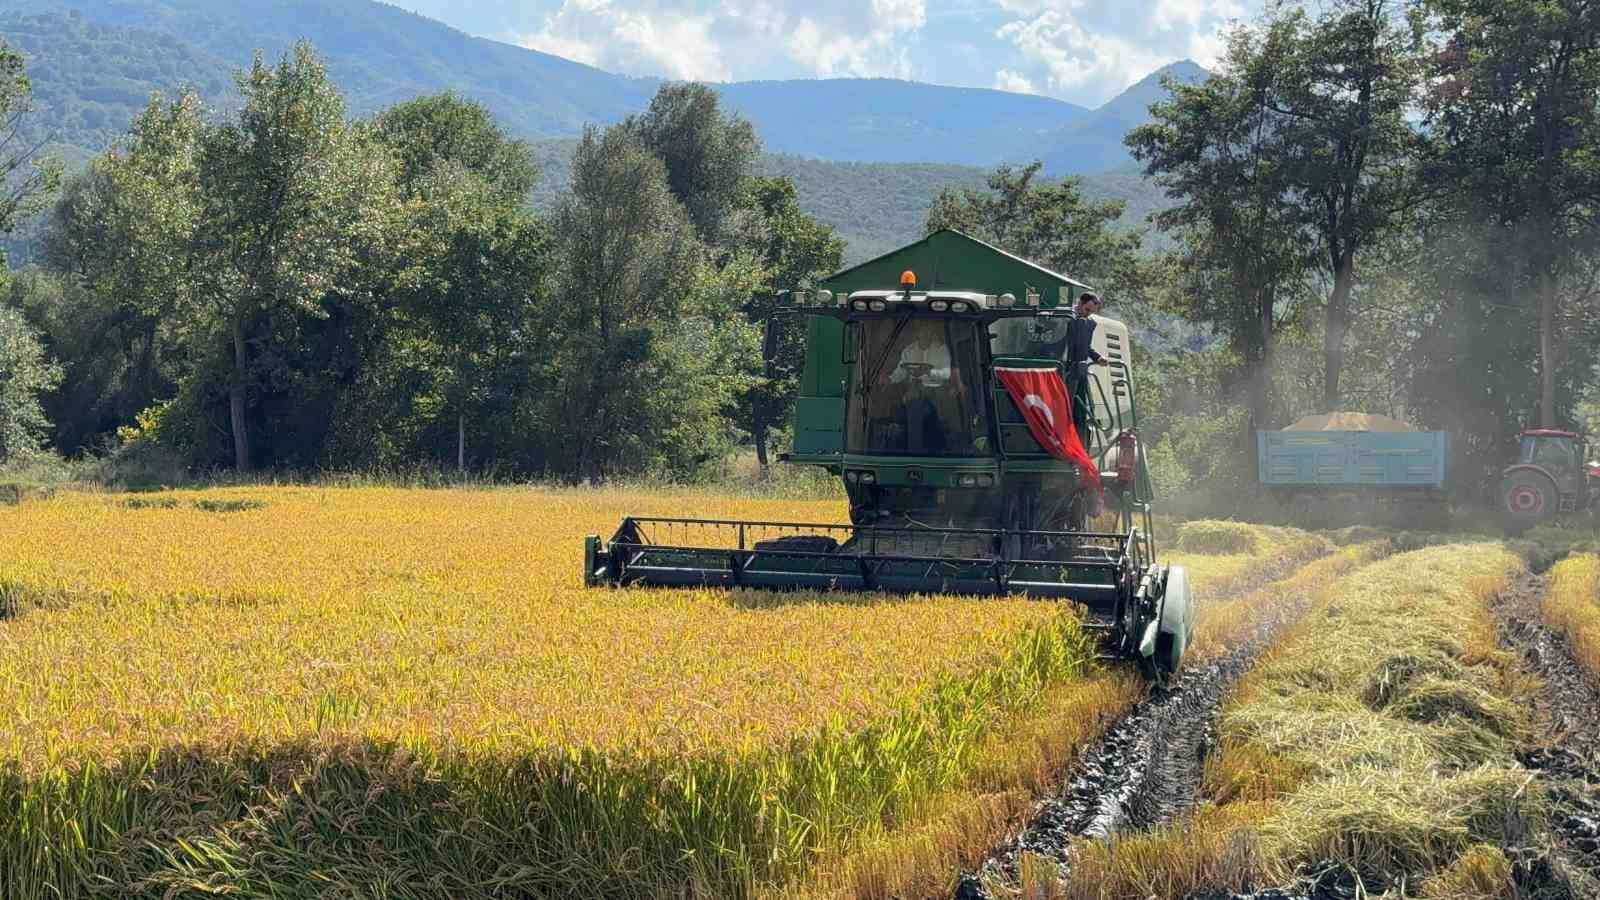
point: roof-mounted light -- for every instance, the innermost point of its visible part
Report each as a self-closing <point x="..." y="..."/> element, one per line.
<point x="1008" y="300"/>
<point x="939" y="305"/>
<point x="824" y="298"/>
<point x="959" y="307"/>
<point x="1033" y="298"/>
<point x="860" y="305"/>
<point x="799" y="297"/>
<point x="908" y="279"/>
<point x="878" y="306"/>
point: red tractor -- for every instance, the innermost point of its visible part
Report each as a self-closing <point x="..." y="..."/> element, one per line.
<point x="1550" y="477"/>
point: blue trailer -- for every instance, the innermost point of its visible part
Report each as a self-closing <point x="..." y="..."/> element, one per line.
<point x="1336" y="478"/>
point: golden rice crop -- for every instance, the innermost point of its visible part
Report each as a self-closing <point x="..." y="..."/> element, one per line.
<point x="1573" y="606"/>
<point x="405" y="614"/>
<point x="251" y="666"/>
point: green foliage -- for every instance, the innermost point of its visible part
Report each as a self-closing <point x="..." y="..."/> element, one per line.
<point x="631" y="308"/>
<point x="25" y="374"/>
<point x="1049" y="223"/>
<point x="26" y="181"/>
<point x="707" y="155"/>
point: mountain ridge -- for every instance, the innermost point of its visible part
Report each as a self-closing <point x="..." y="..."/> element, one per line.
<point x="382" y="54"/>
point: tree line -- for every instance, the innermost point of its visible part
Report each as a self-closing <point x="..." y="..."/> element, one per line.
<point x="1379" y="206"/>
<point x="287" y="287"/>
<point x="1374" y="205"/>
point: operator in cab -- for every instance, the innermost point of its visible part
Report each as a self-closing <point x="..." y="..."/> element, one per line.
<point x="1080" y="351"/>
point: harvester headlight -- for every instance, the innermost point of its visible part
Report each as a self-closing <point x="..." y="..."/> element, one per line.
<point x="1033" y="298"/>
<point x="1008" y="300"/>
<point x="860" y="305"/>
<point x="958" y="307"/>
<point x="824" y="297"/>
<point x="985" y="481"/>
<point x="968" y="481"/>
<point x="869" y="478"/>
<point x="878" y="306"/>
<point x="939" y="305"/>
<point x="800" y="298"/>
<point x="852" y="477"/>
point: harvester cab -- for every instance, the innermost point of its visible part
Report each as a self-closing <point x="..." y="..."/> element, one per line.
<point x="938" y="387"/>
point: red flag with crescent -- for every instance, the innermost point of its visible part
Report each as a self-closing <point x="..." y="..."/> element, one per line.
<point x="1042" y="396"/>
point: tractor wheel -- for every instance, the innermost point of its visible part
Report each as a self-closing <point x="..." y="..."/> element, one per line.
<point x="1527" y="498"/>
<point x="1177" y="623"/>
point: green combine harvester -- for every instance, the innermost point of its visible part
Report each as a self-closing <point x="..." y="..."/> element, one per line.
<point x="935" y="388"/>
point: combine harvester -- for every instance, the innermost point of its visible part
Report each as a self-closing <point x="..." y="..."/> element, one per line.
<point x="935" y="388"/>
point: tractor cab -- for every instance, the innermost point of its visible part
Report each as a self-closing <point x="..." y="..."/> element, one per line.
<point x="1549" y="478"/>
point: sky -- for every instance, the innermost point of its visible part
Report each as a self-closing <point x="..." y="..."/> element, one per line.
<point x="1082" y="51"/>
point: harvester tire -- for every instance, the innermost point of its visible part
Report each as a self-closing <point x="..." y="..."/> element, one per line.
<point x="1527" y="498"/>
<point x="1177" y="622"/>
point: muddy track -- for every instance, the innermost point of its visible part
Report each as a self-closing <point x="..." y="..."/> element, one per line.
<point x="1146" y="769"/>
<point x="1567" y="757"/>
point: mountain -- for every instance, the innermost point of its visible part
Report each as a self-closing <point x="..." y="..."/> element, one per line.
<point x="877" y="207"/>
<point x="1094" y="143"/>
<point x="884" y="120"/>
<point x="98" y="60"/>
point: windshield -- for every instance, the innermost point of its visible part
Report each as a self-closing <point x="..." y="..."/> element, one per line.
<point x="1550" y="452"/>
<point x="917" y="389"/>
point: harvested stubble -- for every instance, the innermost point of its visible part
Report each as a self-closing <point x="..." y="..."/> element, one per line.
<point x="1376" y="735"/>
<point x="408" y="692"/>
<point x="1573" y="607"/>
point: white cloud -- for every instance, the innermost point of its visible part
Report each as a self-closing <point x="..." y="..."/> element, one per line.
<point x="637" y="38"/>
<point x="1074" y="57"/>
<point x="1015" y="82"/>
<point x="833" y="40"/>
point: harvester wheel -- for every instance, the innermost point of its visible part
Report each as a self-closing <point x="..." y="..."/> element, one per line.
<point x="1177" y="622"/>
<point x="1527" y="498"/>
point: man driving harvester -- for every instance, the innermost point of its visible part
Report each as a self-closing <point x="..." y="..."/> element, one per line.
<point x="1080" y="351"/>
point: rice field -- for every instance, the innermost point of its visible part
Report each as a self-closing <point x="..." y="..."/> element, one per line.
<point x="238" y="689"/>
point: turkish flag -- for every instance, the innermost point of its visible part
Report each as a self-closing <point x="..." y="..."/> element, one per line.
<point x="1042" y="396"/>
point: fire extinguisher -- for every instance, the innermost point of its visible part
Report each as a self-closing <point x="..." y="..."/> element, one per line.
<point x="1127" y="459"/>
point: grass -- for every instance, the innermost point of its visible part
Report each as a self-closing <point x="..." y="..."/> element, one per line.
<point x="1573" y="607"/>
<point x="1385" y="746"/>
<point x="408" y="693"/>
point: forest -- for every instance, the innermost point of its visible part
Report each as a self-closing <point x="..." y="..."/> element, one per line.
<point x="1377" y="207"/>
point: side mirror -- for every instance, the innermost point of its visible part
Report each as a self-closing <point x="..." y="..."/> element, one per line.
<point x="852" y="340"/>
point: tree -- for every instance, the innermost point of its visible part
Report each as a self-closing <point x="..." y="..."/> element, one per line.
<point x="707" y="155"/>
<point x="1050" y="223"/>
<point x="650" y="346"/>
<point x="795" y="251"/>
<point x="1216" y="149"/>
<point x="291" y="195"/>
<point x="25" y="374"/>
<point x="1514" y="121"/>
<point x="124" y="235"/>
<point x="486" y="255"/>
<point x="26" y="182"/>
<point x="1345" y="86"/>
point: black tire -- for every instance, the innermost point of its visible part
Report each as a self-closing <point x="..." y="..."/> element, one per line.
<point x="1527" y="498"/>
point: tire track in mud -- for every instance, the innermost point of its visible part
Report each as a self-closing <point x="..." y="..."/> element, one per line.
<point x="1147" y="767"/>
<point x="1566" y="708"/>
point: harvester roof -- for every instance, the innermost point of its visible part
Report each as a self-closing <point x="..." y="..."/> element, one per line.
<point x="948" y="260"/>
